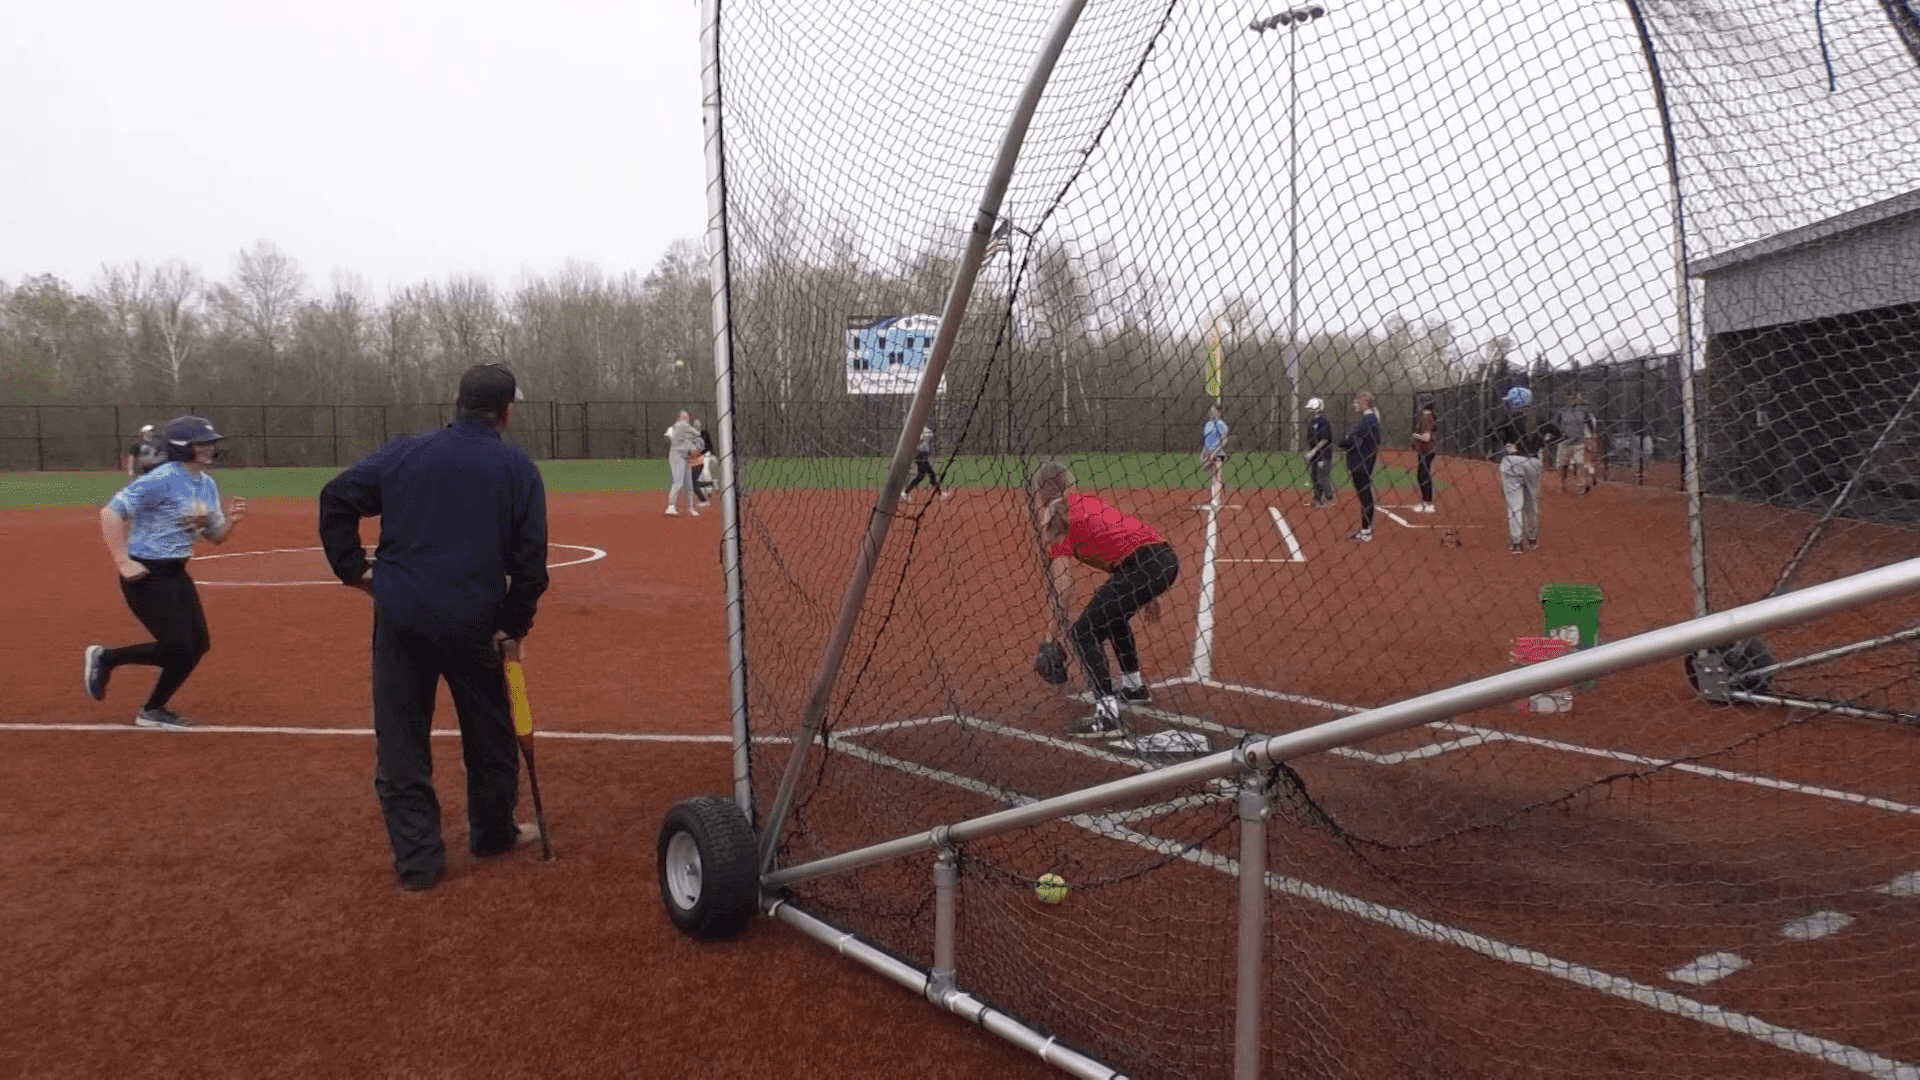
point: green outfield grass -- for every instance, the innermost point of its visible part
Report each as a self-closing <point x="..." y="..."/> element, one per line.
<point x="1253" y="470"/>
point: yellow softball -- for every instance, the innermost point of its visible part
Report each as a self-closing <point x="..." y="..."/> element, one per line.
<point x="1051" y="888"/>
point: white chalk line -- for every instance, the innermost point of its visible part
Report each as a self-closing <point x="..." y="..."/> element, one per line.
<point x="253" y="729"/>
<point x="593" y="554"/>
<point x="1112" y="827"/>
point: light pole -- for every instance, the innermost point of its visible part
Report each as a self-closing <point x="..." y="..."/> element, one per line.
<point x="1292" y="19"/>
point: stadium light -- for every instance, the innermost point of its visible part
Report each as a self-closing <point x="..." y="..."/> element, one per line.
<point x="1292" y="19"/>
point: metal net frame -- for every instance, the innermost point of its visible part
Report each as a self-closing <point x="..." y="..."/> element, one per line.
<point x="1339" y="835"/>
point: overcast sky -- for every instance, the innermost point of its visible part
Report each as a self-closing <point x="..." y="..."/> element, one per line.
<point x="398" y="140"/>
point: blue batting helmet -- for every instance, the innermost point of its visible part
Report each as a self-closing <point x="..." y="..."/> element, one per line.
<point x="184" y="431"/>
<point x="1519" y="397"/>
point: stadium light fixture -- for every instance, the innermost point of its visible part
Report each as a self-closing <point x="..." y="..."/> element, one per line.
<point x="1292" y="19"/>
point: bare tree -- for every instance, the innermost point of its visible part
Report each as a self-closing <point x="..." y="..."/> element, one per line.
<point x="175" y="293"/>
<point x="263" y="297"/>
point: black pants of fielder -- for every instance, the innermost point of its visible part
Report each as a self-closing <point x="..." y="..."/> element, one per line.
<point x="167" y="604"/>
<point x="408" y="664"/>
<point x="1363" y="487"/>
<point x="1139" y="578"/>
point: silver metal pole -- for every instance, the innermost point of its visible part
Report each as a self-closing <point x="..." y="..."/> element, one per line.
<point x="881" y="519"/>
<point x="1289" y="425"/>
<point x="1043" y="1046"/>
<point x="1663" y="644"/>
<point x="1683" y="319"/>
<point x="944" y="977"/>
<point x="1256" y="805"/>
<point x="717" y="277"/>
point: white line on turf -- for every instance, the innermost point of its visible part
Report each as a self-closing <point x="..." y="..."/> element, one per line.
<point x="245" y="729"/>
<point x="1111" y="826"/>
<point x="1769" y="782"/>
<point x="1294" y="554"/>
<point x="593" y="554"/>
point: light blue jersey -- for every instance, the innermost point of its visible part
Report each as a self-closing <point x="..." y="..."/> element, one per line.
<point x="154" y="505"/>
<point x="1213" y="435"/>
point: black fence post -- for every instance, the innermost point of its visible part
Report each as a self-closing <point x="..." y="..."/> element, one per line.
<point x="39" y="441"/>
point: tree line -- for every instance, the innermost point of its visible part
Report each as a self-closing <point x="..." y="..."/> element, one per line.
<point x="167" y="334"/>
<point x="1058" y="339"/>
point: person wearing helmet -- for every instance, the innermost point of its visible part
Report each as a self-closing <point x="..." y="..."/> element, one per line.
<point x="148" y="452"/>
<point x="149" y="528"/>
<point x="1518" y="445"/>
<point x="1320" y="453"/>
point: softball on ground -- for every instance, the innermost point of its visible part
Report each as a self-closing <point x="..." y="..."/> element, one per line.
<point x="1051" y="888"/>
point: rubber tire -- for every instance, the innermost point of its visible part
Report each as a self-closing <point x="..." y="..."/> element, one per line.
<point x="709" y="867"/>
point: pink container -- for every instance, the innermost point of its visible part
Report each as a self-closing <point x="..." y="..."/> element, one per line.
<point x="1532" y="650"/>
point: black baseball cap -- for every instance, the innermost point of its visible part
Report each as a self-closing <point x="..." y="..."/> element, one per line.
<point x="488" y="388"/>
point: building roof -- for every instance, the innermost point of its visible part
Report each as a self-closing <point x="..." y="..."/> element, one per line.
<point x="1840" y="224"/>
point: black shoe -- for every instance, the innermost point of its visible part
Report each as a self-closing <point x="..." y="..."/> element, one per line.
<point x="1513" y="548"/>
<point x="419" y="883"/>
<point x="1135" y="694"/>
<point x="94" y="670"/>
<point x="524" y="833"/>
<point x="161" y="717"/>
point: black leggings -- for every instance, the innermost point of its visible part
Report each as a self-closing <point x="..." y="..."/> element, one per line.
<point x="1363" y="487"/>
<point x="1424" y="474"/>
<point x="168" y="605"/>
<point x="1136" y="582"/>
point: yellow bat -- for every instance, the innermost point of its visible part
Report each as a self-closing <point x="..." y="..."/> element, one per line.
<point x="517" y="694"/>
<point x="523" y="727"/>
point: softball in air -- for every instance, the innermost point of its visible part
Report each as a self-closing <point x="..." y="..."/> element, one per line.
<point x="1051" y="888"/>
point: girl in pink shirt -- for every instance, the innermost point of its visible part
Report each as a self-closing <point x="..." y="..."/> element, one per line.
<point x="1140" y="565"/>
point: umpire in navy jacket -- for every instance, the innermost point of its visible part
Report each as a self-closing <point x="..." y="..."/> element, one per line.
<point x="462" y="561"/>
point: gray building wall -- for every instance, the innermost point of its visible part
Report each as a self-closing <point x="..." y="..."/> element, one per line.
<point x="1860" y="261"/>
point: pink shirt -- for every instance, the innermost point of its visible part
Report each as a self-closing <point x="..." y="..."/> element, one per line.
<point x="1099" y="535"/>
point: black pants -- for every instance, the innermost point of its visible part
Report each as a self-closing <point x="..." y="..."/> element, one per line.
<point x="1424" y="474"/>
<point x="1363" y="487"/>
<point x="1142" y="576"/>
<point x="408" y="665"/>
<point x="168" y="605"/>
<point x="923" y="470"/>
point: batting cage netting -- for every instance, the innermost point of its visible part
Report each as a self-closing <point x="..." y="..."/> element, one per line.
<point x="1215" y="260"/>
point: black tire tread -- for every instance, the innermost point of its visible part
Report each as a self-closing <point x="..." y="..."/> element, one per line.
<point x="729" y="862"/>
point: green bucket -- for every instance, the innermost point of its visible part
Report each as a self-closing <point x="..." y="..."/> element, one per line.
<point x="1569" y="603"/>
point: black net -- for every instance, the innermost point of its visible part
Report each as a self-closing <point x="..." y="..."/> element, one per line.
<point x="1688" y="869"/>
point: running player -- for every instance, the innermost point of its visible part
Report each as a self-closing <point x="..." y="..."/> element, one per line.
<point x="149" y="529"/>
<point x="1140" y="567"/>
<point x="923" y="467"/>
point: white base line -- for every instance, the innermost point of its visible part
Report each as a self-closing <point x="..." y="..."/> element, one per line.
<point x="1294" y="554"/>
<point x="1109" y="825"/>
<point x="242" y="729"/>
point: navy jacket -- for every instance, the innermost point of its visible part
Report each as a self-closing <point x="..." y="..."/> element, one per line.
<point x="463" y="530"/>
<point x="1362" y="443"/>
<point x="1320" y="430"/>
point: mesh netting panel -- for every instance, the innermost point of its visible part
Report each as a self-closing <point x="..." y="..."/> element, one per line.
<point x="1656" y="874"/>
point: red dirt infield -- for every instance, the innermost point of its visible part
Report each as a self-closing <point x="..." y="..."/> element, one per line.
<point x="222" y="904"/>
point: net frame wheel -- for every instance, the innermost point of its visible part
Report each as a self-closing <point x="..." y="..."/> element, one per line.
<point x="708" y="867"/>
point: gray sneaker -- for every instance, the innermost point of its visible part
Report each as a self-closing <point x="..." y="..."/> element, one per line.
<point x="162" y="718"/>
<point x="95" y="672"/>
<point x="1103" y="724"/>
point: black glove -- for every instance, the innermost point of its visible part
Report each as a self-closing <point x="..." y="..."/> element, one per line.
<point x="1051" y="662"/>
